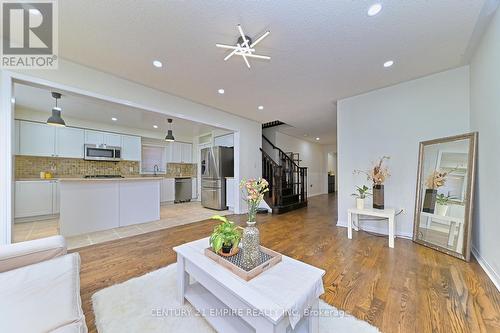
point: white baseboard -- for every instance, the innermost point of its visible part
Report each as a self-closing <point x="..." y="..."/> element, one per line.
<point x="382" y="229"/>
<point x="494" y="276"/>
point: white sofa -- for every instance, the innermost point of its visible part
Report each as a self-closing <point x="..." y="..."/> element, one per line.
<point x="40" y="288"/>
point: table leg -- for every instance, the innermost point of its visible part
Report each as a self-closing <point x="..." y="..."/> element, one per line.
<point x="391" y="232"/>
<point x="182" y="278"/>
<point x="313" y="320"/>
<point x="451" y="234"/>
<point x="355" y="224"/>
<point x="460" y="241"/>
<point x="349" y="225"/>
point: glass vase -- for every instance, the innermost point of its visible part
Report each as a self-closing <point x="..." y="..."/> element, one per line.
<point x="250" y="245"/>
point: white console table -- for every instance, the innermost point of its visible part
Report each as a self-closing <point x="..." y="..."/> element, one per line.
<point x="388" y="213"/>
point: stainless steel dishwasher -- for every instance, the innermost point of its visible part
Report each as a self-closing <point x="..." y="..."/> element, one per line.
<point x="183" y="190"/>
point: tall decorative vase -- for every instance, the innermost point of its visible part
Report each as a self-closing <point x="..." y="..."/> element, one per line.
<point x="250" y="245"/>
<point x="378" y="196"/>
<point x="429" y="201"/>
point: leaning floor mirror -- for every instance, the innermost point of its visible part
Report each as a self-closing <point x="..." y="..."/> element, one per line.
<point x="444" y="198"/>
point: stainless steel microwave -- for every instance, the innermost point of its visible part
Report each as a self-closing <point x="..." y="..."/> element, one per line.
<point x="102" y="153"/>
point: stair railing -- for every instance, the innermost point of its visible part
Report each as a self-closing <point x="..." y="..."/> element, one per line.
<point x="285" y="175"/>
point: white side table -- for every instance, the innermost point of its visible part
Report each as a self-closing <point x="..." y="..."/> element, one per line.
<point x="388" y="213"/>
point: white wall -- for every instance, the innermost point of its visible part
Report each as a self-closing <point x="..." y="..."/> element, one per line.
<point x="485" y="118"/>
<point x="86" y="81"/>
<point x="312" y="157"/>
<point x="392" y="121"/>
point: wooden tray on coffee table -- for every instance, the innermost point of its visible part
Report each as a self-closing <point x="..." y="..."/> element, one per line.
<point x="268" y="258"/>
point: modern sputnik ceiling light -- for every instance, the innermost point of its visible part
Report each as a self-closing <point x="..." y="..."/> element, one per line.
<point x="244" y="47"/>
<point x="170" y="136"/>
<point x="55" y="119"/>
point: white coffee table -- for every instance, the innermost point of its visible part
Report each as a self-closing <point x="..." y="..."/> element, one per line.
<point x="274" y="301"/>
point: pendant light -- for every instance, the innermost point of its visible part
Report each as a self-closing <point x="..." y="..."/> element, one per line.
<point x="170" y="136"/>
<point x="56" y="119"/>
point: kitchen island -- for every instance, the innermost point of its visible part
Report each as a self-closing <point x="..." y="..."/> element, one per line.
<point x="89" y="205"/>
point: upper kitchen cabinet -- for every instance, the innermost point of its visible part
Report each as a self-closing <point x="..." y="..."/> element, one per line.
<point x="102" y="138"/>
<point x="180" y="152"/>
<point x="69" y="142"/>
<point x="131" y="148"/>
<point x="94" y="137"/>
<point x="186" y="153"/>
<point x="111" y="139"/>
<point x="36" y="139"/>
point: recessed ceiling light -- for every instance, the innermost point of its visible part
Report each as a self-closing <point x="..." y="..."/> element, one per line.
<point x="221" y="91"/>
<point x="13" y="100"/>
<point x="157" y="64"/>
<point x="155" y="126"/>
<point x="114" y="119"/>
<point x="261" y="107"/>
<point x="317" y="139"/>
<point x="388" y="63"/>
<point x="374" y="9"/>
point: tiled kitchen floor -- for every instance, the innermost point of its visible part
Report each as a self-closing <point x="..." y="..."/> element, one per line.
<point x="170" y="215"/>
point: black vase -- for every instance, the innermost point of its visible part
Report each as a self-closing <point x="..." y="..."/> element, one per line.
<point x="429" y="201"/>
<point x="378" y="196"/>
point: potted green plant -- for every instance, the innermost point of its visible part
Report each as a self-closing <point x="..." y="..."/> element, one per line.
<point x="226" y="237"/>
<point x="442" y="202"/>
<point x="363" y="192"/>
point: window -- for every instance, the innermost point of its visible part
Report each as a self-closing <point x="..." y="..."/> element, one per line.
<point x="153" y="155"/>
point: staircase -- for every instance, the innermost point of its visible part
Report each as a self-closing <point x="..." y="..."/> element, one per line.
<point x="287" y="181"/>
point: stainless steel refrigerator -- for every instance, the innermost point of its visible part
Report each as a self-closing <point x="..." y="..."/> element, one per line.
<point x="217" y="163"/>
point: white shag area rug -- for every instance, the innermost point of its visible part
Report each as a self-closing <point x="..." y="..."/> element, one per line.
<point x="148" y="304"/>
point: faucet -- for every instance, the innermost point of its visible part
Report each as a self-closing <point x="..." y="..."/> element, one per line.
<point x="156" y="168"/>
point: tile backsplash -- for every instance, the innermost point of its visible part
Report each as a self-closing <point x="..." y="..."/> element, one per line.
<point x="31" y="166"/>
<point x="181" y="170"/>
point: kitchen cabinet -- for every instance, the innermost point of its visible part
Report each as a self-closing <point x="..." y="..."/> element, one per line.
<point x="194" y="182"/>
<point x="180" y="152"/>
<point x="94" y="137"/>
<point x="36" y="198"/>
<point x="131" y="148"/>
<point x="186" y="153"/>
<point x="175" y="153"/>
<point x="56" y="197"/>
<point x="111" y="139"/>
<point x="69" y="142"/>
<point x="36" y="139"/>
<point x="102" y="138"/>
<point x="167" y="190"/>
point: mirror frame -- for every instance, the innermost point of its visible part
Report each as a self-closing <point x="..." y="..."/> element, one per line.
<point x="469" y="204"/>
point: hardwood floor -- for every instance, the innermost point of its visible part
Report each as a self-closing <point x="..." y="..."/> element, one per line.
<point x="407" y="289"/>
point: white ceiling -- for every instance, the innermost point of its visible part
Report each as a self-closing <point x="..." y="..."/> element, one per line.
<point x="98" y="111"/>
<point x="321" y="50"/>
